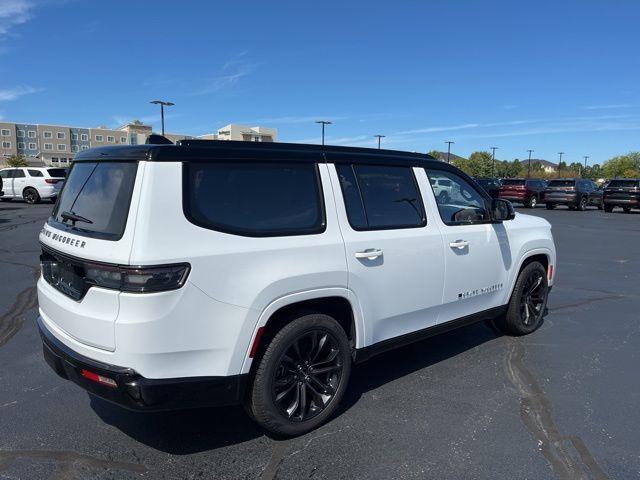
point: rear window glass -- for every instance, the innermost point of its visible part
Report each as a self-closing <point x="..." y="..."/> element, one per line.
<point x="255" y="199"/>
<point x="57" y="172"/>
<point x="97" y="195"/>
<point x="511" y="182"/>
<point x="562" y="183"/>
<point x="381" y="197"/>
<point x="623" y="184"/>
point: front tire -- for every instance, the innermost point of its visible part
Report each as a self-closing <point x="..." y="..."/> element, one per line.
<point x="301" y="377"/>
<point x="608" y="208"/>
<point x="550" y="206"/>
<point x="528" y="301"/>
<point x="626" y="209"/>
<point x="582" y="204"/>
<point x="532" y="202"/>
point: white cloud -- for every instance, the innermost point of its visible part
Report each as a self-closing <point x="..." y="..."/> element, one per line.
<point x="12" y="13"/>
<point x="232" y="70"/>
<point x="17" y="92"/>
<point x="612" y="106"/>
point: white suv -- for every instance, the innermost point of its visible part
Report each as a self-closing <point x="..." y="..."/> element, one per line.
<point x="217" y="273"/>
<point x="32" y="184"/>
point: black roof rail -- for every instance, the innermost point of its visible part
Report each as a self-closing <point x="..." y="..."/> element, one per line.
<point x="155" y="139"/>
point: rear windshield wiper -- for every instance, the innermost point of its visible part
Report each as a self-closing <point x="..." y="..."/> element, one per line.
<point x="74" y="218"/>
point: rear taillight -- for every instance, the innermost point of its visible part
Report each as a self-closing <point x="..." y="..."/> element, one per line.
<point x="137" y="279"/>
<point x="94" y="377"/>
<point x="51" y="180"/>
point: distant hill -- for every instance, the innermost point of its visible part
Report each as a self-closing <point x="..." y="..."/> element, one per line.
<point x="453" y="157"/>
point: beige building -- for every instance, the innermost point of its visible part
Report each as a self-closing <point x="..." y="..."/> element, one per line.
<point x="55" y="143"/>
<point x="8" y="139"/>
<point x="235" y="131"/>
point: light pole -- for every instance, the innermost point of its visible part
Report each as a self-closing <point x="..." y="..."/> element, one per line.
<point x="529" y="170"/>
<point x="560" y="163"/>
<point x="379" y="137"/>
<point x="493" y="161"/>
<point x="162" y="105"/>
<point x="449" y="150"/>
<point x="323" y="123"/>
<point x="586" y="157"/>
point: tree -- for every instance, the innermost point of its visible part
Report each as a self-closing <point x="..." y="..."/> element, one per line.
<point x="479" y="164"/>
<point x="435" y="154"/>
<point x="623" y="166"/>
<point x="16" y="161"/>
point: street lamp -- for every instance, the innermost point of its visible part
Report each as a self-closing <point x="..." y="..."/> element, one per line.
<point x="323" y="123"/>
<point x="586" y="157"/>
<point x="162" y="105"/>
<point x="379" y="137"/>
<point x="449" y="150"/>
<point x="493" y="161"/>
<point x="560" y="163"/>
<point x="529" y="170"/>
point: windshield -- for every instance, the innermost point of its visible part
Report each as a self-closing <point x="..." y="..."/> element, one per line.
<point x="512" y="181"/>
<point x="562" y="183"/>
<point x="622" y="184"/>
<point x="95" y="199"/>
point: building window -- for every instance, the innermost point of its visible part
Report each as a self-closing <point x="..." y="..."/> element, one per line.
<point x="21" y="145"/>
<point x="99" y="138"/>
<point x="84" y="147"/>
<point x="111" y="139"/>
<point x="123" y="139"/>
<point x="48" y="146"/>
<point x="54" y="159"/>
<point x="84" y="137"/>
<point x="47" y="135"/>
<point x="6" y="144"/>
<point x="31" y="134"/>
<point x="32" y="146"/>
<point x="74" y="136"/>
<point x="21" y="133"/>
<point x="63" y="160"/>
<point x="62" y="147"/>
<point x="74" y="148"/>
<point x="6" y="132"/>
<point x="61" y="135"/>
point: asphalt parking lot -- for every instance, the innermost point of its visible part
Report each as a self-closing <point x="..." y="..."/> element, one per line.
<point x="560" y="403"/>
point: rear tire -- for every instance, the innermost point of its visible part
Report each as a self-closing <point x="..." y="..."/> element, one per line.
<point x="600" y="206"/>
<point x="550" y="206"/>
<point x="582" y="204"/>
<point x="626" y="209"/>
<point x="289" y="396"/>
<point x="30" y="195"/>
<point x="532" y="202"/>
<point x="608" y="208"/>
<point x="528" y="301"/>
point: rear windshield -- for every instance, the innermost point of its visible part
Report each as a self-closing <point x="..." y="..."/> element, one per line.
<point x="622" y="184"/>
<point x="254" y="199"/>
<point x="57" y="172"/>
<point x="562" y="183"/>
<point x="95" y="199"/>
<point x="510" y="182"/>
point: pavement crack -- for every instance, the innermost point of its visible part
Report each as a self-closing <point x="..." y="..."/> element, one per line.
<point x="587" y="301"/>
<point x="12" y="320"/>
<point x="568" y="455"/>
<point x="67" y="461"/>
<point x="277" y="456"/>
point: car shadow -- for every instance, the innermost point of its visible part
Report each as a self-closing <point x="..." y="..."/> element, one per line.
<point x="186" y="432"/>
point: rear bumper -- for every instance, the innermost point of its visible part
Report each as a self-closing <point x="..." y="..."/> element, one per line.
<point x="513" y="198"/>
<point x="621" y="201"/>
<point x="561" y="198"/>
<point x="136" y="392"/>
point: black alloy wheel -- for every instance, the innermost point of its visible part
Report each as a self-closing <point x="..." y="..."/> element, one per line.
<point x="533" y="201"/>
<point x="533" y="298"/>
<point x="30" y="195"/>
<point x="308" y="375"/>
<point x="582" y="204"/>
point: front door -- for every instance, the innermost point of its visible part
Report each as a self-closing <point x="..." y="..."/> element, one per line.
<point x="476" y="251"/>
<point x="394" y="253"/>
<point x="18" y="182"/>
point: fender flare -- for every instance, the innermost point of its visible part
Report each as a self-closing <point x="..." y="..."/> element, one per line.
<point x="523" y="258"/>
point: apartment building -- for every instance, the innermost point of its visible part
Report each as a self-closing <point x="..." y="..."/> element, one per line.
<point x="56" y="145"/>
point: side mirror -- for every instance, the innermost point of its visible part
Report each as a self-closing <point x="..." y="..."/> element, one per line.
<point x="502" y="210"/>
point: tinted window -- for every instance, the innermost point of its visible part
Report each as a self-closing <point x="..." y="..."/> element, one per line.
<point x="622" y="184"/>
<point x="56" y="172"/>
<point x="17" y="173"/>
<point x="255" y="199"/>
<point x="389" y="194"/>
<point x="5" y="174"/>
<point x="352" y="198"/>
<point x="460" y="203"/>
<point x="511" y="182"/>
<point x="100" y="193"/>
<point x="561" y="183"/>
<point x="35" y="173"/>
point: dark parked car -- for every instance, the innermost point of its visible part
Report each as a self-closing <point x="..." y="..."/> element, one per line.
<point x="522" y="190"/>
<point x="575" y="193"/>
<point x="623" y="193"/>
<point x="491" y="186"/>
<point x="596" y="197"/>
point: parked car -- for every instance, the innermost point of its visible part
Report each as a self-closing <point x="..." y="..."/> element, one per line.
<point x="442" y="189"/>
<point x="596" y="196"/>
<point x="575" y="193"/>
<point x="217" y="273"/>
<point x="522" y="190"/>
<point x="490" y="185"/>
<point x="32" y="184"/>
<point x="1" y="185"/>
<point x="624" y="193"/>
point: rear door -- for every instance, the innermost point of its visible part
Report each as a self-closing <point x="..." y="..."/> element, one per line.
<point x="19" y="181"/>
<point x="476" y="252"/>
<point x="394" y="253"/>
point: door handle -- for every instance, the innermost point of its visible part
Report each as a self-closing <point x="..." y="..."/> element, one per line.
<point x="459" y="244"/>
<point x="371" y="253"/>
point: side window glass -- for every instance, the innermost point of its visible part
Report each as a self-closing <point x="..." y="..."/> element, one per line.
<point x="381" y="197"/>
<point x="5" y="174"/>
<point x="35" y="173"/>
<point x="458" y="202"/>
<point x="18" y="173"/>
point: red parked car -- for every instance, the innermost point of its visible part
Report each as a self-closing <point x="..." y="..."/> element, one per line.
<point x="522" y="190"/>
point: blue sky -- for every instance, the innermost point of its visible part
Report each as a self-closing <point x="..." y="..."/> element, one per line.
<point x="551" y="76"/>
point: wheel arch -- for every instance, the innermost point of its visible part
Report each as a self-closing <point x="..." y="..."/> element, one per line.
<point x="339" y="303"/>
<point x="542" y="255"/>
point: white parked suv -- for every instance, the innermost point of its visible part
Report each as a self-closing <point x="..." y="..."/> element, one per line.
<point x="32" y="184"/>
<point x="215" y="273"/>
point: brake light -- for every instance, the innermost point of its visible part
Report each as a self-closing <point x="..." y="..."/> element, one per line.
<point x="256" y="342"/>
<point x="51" y="180"/>
<point x="550" y="273"/>
<point x="137" y="279"/>
<point x="94" y="377"/>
